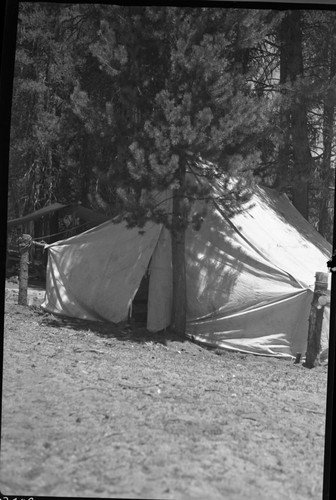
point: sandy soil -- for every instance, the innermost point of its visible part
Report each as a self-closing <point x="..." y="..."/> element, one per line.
<point x="95" y="410"/>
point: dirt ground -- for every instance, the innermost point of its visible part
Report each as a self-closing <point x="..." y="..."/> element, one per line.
<point x="95" y="410"/>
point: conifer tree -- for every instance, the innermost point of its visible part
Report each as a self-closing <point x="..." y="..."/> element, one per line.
<point x="180" y="98"/>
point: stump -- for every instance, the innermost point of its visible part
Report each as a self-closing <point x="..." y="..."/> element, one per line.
<point x="24" y="244"/>
<point x="315" y="321"/>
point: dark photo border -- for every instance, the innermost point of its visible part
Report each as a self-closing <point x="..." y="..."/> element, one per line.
<point x="9" y="21"/>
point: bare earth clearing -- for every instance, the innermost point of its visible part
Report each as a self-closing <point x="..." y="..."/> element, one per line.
<point x="92" y="410"/>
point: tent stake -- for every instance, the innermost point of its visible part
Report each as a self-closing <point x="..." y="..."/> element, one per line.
<point x="315" y="321"/>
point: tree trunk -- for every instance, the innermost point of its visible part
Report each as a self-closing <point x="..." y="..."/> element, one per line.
<point x="325" y="224"/>
<point x="292" y="69"/>
<point x="53" y="228"/>
<point x="282" y="177"/>
<point x="13" y="195"/>
<point x="179" y="303"/>
<point x="299" y="127"/>
<point x="302" y="158"/>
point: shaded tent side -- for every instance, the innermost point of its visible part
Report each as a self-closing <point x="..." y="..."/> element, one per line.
<point x="96" y="275"/>
<point x="288" y="242"/>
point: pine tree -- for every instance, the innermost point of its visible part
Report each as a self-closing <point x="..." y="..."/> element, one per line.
<point x="180" y="97"/>
<point x="320" y="54"/>
<point x="48" y="153"/>
<point x="296" y="69"/>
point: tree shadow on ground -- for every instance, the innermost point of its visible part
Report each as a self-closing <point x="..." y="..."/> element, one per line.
<point x="131" y="332"/>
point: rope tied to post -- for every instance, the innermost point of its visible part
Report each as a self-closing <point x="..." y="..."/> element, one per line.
<point x="24" y="243"/>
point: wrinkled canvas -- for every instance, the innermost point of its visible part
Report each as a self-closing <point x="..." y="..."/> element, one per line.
<point x="250" y="278"/>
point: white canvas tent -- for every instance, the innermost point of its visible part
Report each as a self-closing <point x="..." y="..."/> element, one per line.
<point x="250" y="278"/>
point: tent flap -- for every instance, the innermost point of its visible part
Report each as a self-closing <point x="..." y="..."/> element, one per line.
<point x="95" y="275"/>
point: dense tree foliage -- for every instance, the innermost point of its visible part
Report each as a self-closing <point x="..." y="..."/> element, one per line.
<point x="297" y="64"/>
<point x="115" y="104"/>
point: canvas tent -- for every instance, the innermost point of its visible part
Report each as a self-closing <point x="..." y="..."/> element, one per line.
<point x="250" y="277"/>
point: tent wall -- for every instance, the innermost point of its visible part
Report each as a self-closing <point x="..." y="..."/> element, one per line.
<point x="278" y="328"/>
<point x="95" y="275"/>
<point x="225" y="274"/>
<point x="249" y="278"/>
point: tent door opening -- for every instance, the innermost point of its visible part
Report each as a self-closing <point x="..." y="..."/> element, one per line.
<point x="140" y="301"/>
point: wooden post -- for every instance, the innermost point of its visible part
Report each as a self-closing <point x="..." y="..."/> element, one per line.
<point x="315" y="321"/>
<point x="24" y="243"/>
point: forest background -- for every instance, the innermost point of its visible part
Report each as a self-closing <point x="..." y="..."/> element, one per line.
<point x="112" y="103"/>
